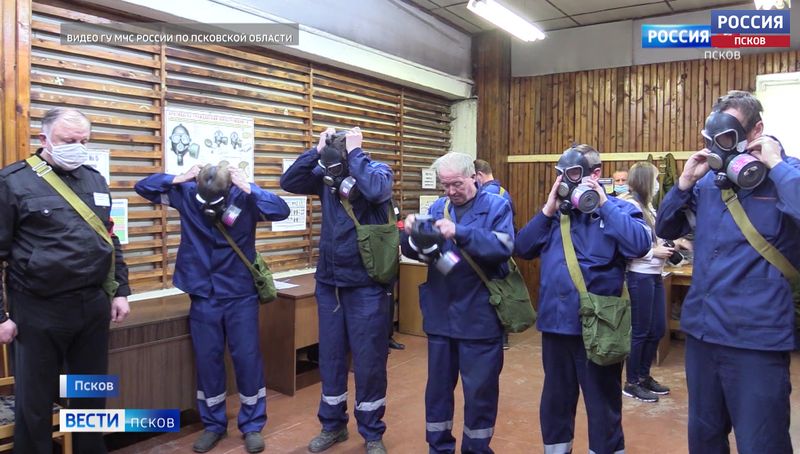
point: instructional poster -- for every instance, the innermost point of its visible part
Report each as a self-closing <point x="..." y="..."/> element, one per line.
<point x="119" y="214"/>
<point x="297" y="215"/>
<point x="200" y="137"/>
<point x="425" y="202"/>
<point x="99" y="160"/>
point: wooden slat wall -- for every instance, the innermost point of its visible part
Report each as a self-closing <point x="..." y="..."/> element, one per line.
<point x="491" y="55"/>
<point x="124" y="89"/>
<point x="646" y="108"/>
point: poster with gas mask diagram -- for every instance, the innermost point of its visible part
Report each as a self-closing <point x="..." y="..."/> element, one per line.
<point x="207" y="137"/>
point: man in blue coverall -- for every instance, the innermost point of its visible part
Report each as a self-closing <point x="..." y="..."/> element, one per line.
<point x="464" y="332"/>
<point x="603" y="240"/>
<point x="224" y="298"/>
<point x="739" y="314"/>
<point x="352" y="307"/>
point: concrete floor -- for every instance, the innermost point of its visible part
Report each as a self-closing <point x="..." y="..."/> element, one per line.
<point x="649" y="428"/>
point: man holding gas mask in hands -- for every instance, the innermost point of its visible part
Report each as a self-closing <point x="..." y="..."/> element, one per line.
<point x="739" y="314"/>
<point x="464" y="332"/>
<point x="355" y="193"/>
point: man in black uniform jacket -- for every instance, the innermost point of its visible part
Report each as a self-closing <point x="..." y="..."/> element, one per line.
<point x="56" y="264"/>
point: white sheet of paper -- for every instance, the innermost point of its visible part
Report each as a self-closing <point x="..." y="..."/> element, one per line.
<point x="280" y="285"/>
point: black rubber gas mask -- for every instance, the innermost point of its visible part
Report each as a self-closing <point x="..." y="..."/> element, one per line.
<point x="333" y="161"/>
<point x="426" y="239"/>
<point x="573" y="193"/>
<point x="213" y="187"/>
<point x="726" y="139"/>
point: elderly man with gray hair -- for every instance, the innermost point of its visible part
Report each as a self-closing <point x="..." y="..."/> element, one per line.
<point x="465" y="228"/>
<point x="65" y="276"/>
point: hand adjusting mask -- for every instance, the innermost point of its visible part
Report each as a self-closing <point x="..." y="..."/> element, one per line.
<point x="333" y="161"/>
<point x="213" y="187"/>
<point x="573" y="168"/>
<point x="726" y="139"/>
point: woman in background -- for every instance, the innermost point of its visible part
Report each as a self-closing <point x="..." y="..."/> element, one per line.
<point x="646" y="291"/>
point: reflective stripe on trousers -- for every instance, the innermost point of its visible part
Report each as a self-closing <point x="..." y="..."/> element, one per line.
<point x="477" y="434"/>
<point x="252" y="400"/>
<point x="211" y="401"/>
<point x="439" y="426"/>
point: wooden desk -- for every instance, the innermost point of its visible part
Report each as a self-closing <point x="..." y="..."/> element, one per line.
<point x="151" y="352"/>
<point x="681" y="277"/>
<point x="287" y="325"/>
<point x="664" y="343"/>
<point x="412" y="274"/>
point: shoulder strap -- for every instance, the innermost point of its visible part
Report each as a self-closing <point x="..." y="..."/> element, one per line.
<point x="569" y="254"/>
<point x="757" y="241"/>
<point x="466" y="255"/>
<point x="44" y="171"/>
<point x="348" y="207"/>
<point x="502" y="190"/>
<point x="235" y="247"/>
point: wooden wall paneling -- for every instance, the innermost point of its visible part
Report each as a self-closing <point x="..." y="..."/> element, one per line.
<point x="492" y="75"/>
<point x="647" y="108"/>
<point x="425" y="135"/>
<point x="124" y="89"/>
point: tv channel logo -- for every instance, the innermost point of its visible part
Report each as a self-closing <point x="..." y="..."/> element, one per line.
<point x="81" y="386"/>
<point x="728" y="29"/>
<point x="127" y="420"/>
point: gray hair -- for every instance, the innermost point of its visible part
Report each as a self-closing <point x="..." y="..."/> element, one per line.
<point x="63" y="113"/>
<point x="455" y="161"/>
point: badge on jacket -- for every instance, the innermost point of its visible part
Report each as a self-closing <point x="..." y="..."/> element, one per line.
<point x="102" y="199"/>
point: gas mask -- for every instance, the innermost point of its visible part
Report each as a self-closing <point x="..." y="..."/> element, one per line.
<point x="333" y="161"/>
<point x="726" y="139"/>
<point x="426" y="239"/>
<point x="181" y="143"/>
<point x="213" y="186"/>
<point x="573" y="168"/>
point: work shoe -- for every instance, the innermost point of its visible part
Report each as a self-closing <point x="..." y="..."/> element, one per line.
<point x="253" y="442"/>
<point x="653" y="386"/>
<point x="208" y="440"/>
<point x="639" y="393"/>
<point x="394" y="345"/>
<point x="376" y="447"/>
<point x="506" y="344"/>
<point x="327" y="439"/>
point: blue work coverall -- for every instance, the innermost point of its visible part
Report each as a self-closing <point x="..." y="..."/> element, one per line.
<point x="739" y="312"/>
<point x="494" y="187"/>
<point x="603" y="242"/>
<point x="352" y="307"/>
<point x="464" y="333"/>
<point x="224" y="298"/>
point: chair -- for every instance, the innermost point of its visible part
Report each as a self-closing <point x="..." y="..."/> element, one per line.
<point x="7" y="412"/>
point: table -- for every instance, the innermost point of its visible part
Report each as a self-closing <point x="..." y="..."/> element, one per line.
<point x="673" y="278"/>
<point x="288" y="325"/>
<point x="412" y="274"/>
<point x="151" y="352"/>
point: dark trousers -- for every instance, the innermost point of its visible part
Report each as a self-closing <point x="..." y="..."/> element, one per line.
<point x="69" y="331"/>
<point x="647" y="322"/>
<point x="747" y="390"/>
<point x="566" y="371"/>
<point x="353" y="320"/>
<point x="479" y="361"/>
<point x="215" y="322"/>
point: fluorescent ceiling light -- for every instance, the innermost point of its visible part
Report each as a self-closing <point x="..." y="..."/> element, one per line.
<point x="505" y="19"/>
<point x="773" y="4"/>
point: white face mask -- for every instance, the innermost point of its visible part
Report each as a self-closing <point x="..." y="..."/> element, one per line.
<point x="69" y="156"/>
